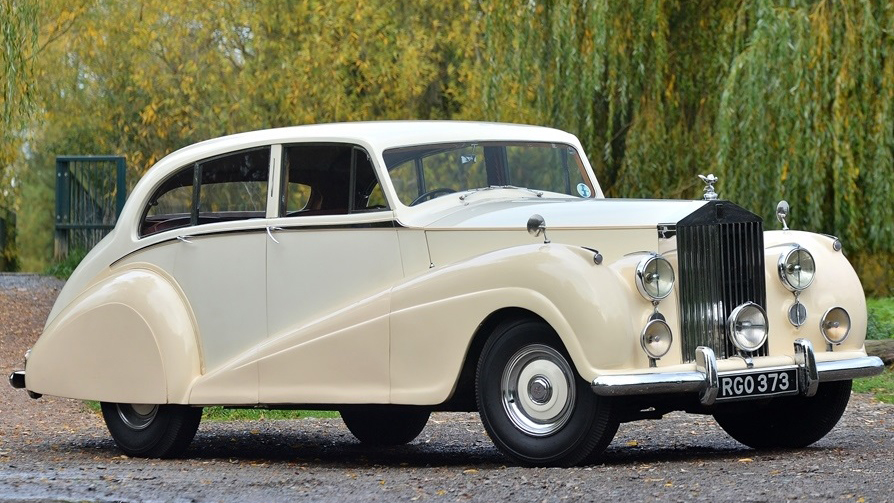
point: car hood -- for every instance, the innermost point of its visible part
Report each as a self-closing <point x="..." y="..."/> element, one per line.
<point x="559" y="213"/>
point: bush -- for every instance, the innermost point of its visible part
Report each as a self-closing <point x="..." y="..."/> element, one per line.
<point x="63" y="269"/>
<point x="881" y="318"/>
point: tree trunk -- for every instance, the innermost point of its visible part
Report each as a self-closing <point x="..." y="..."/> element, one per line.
<point x="884" y="349"/>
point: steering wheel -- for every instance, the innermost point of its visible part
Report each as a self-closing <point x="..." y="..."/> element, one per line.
<point x="431" y="194"/>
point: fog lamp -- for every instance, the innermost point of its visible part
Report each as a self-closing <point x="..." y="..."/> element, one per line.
<point x="656" y="338"/>
<point x="748" y="326"/>
<point x="836" y="325"/>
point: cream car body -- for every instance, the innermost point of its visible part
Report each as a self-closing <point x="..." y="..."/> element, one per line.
<point x="280" y="300"/>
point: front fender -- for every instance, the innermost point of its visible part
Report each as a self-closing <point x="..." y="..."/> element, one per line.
<point x="836" y="284"/>
<point x="129" y="338"/>
<point x="435" y="316"/>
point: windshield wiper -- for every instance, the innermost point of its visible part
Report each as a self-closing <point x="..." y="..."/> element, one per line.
<point x="494" y="187"/>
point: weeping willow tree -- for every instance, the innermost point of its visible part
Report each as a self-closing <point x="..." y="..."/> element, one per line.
<point x="18" y="35"/>
<point x="782" y="99"/>
<point x="636" y="81"/>
<point x="807" y="113"/>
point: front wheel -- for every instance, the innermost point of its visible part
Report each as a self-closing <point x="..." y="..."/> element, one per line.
<point x="790" y="422"/>
<point x="151" y="431"/>
<point x="534" y="406"/>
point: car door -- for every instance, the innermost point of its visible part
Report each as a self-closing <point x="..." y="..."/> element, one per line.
<point x="213" y="214"/>
<point x="332" y="257"/>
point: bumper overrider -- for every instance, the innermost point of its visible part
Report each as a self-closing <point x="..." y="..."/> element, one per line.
<point x="17" y="381"/>
<point x="706" y="380"/>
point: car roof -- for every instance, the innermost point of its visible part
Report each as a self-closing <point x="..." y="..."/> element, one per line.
<point x="375" y="136"/>
<point x="384" y="134"/>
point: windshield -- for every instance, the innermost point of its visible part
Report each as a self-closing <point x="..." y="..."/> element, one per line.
<point x="423" y="172"/>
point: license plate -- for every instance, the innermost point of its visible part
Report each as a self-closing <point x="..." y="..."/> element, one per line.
<point x="758" y="384"/>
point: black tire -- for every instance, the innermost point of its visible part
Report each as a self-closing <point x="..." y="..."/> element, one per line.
<point x="385" y="424"/>
<point x="533" y="404"/>
<point x="146" y="431"/>
<point x="790" y="422"/>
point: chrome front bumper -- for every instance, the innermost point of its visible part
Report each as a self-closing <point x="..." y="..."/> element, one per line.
<point x="705" y="379"/>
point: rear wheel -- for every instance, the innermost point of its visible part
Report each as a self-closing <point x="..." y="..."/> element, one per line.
<point x="789" y="422"/>
<point x="385" y="424"/>
<point x="534" y="406"/>
<point x="151" y="431"/>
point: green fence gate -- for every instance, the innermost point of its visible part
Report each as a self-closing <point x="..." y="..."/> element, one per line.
<point x="90" y="192"/>
<point x="7" y="240"/>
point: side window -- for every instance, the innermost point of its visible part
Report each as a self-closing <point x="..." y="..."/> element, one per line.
<point x="328" y="179"/>
<point x="232" y="187"/>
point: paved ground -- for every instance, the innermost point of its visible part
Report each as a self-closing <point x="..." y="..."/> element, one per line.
<point x="58" y="450"/>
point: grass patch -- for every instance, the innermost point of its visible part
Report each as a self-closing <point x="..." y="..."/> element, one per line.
<point x="882" y="386"/>
<point x="62" y="269"/>
<point x="218" y="413"/>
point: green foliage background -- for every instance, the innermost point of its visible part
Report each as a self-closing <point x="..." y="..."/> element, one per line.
<point x="785" y="99"/>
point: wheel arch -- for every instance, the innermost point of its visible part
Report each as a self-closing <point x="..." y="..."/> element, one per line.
<point x="463" y="396"/>
<point x="437" y="318"/>
<point x="129" y="338"/>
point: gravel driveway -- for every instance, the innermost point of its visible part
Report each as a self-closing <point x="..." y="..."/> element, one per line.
<point x="58" y="450"/>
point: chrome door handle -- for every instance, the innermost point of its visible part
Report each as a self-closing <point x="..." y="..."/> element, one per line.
<point x="184" y="239"/>
<point x="270" y="230"/>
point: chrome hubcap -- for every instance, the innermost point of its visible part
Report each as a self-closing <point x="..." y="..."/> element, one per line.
<point x="137" y="416"/>
<point x="537" y="390"/>
<point x="540" y="390"/>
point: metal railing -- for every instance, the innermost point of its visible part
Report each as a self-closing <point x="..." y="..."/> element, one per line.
<point x="7" y="240"/>
<point x="90" y="193"/>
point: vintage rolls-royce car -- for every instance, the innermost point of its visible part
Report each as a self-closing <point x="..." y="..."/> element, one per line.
<point x="388" y="270"/>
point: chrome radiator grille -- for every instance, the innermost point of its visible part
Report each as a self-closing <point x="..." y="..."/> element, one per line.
<point x="720" y="249"/>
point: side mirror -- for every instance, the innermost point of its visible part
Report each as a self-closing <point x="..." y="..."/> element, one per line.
<point x="537" y="226"/>
<point x="782" y="212"/>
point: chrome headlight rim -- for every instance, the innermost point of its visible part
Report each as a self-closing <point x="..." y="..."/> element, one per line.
<point x="735" y="317"/>
<point x="643" y="279"/>
<point x="783" y="268"/>
<point x="656" y="327"/>
<point x="825" y="328"/>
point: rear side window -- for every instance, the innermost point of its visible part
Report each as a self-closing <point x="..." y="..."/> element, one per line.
<point x="219" y="189"/>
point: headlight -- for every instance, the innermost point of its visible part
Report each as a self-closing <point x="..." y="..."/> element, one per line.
<point x="748" y="326"/>
<point x="656" y="338"/>
<point x="796" y="268"/>
<point x="836" y="325"/>
<point x="654" y="277"/>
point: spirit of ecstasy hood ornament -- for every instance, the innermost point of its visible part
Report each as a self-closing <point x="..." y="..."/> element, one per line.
<point x="709" y="180"/>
